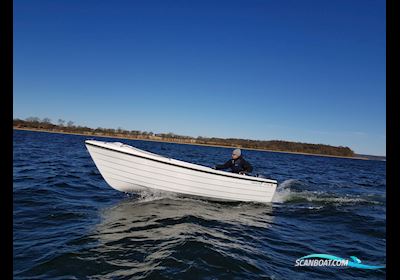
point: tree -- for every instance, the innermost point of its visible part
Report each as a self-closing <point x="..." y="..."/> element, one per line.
<point x="70" y="123"/>
<point x="46" y="120"/>
<point x="33" y="119"/>
<point x="61" y="122"/>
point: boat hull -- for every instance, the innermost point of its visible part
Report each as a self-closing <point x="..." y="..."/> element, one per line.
<point x="128" y="169"/>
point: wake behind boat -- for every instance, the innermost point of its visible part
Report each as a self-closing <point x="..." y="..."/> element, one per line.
<point x="129" y="169"/>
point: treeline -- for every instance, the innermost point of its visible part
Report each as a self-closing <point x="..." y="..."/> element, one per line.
<point x="274" y="145"/>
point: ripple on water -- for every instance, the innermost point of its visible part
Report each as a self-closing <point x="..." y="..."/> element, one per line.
<point x="69" y="224"/>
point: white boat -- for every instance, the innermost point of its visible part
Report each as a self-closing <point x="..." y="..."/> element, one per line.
<point x="129" y="169"/>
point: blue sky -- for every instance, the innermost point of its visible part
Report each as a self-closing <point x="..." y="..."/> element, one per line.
<point x="307" y="71"/>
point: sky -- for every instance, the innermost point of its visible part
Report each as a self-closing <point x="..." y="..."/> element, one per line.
<point x="304" y="71"/>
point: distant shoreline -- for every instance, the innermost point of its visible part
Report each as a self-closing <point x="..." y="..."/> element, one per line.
<point x="176" y="142"/>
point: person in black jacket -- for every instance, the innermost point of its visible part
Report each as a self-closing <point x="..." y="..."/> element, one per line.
<point x="237" y="164"/>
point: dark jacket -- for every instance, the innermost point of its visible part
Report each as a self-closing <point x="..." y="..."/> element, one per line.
<point x="236" y="165"/>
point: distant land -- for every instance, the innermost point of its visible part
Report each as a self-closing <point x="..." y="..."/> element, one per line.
<point x="370" y="157"/>
<point x="36" y="124"/>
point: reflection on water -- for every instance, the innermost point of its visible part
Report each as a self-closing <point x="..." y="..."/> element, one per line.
<point x="144" y="235"/>
<point x="136" y="213"/>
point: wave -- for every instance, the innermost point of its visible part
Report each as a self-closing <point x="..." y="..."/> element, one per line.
<point x="152" y="195"/>
<point x="288" y="193"/>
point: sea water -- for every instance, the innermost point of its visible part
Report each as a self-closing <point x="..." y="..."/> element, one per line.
<point x="69" y="224"/>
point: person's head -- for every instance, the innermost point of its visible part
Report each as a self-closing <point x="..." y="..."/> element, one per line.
<point x="236" y="153"/>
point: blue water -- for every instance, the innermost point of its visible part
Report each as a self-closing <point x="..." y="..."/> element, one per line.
<point x="69" y="224"/>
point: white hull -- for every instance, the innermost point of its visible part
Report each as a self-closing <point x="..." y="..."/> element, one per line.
<point x="129" y="169"/>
